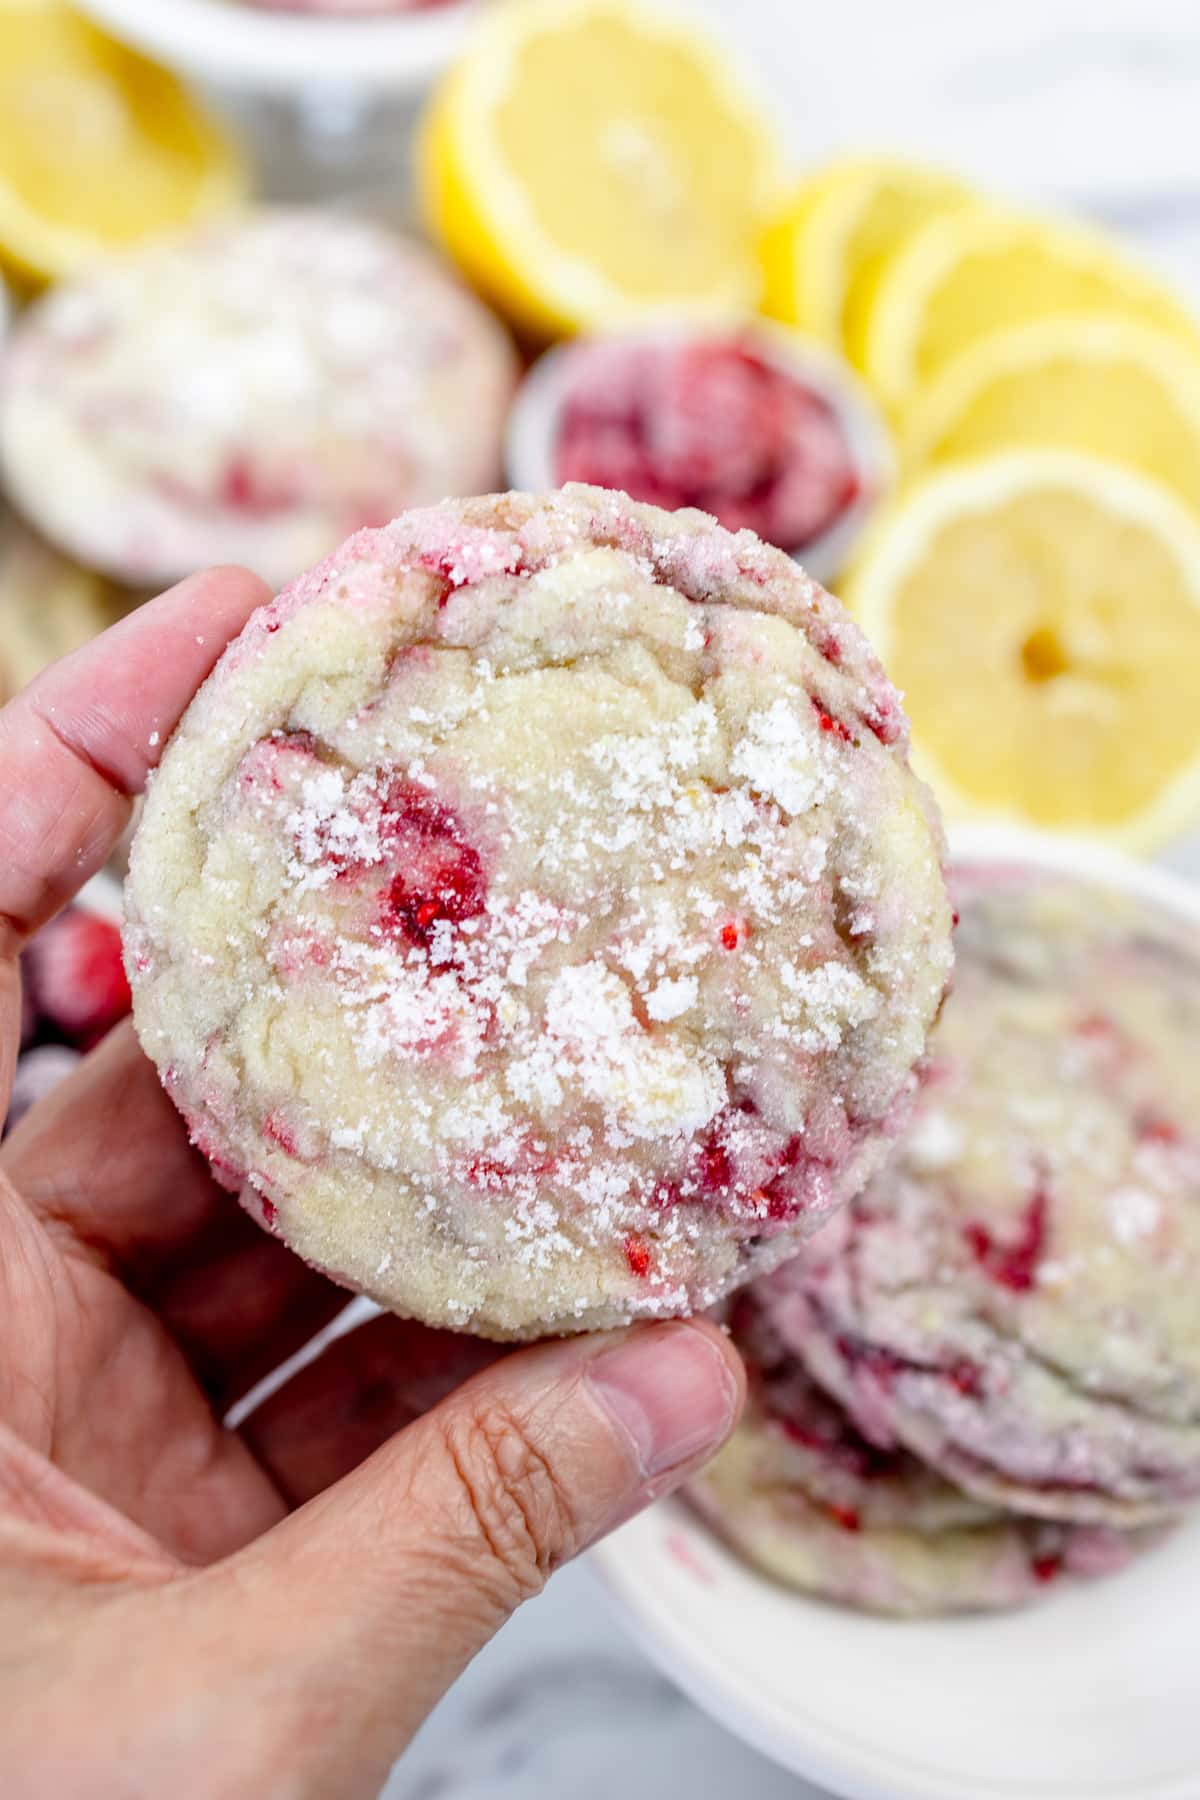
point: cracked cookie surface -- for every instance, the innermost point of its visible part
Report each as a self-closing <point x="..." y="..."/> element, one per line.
<point x="535" y="916"/>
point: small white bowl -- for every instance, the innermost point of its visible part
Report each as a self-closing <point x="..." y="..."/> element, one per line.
<point x="236" y="46"/>
<point x="534" y="421"/>
<point x="1088" y="1695"/>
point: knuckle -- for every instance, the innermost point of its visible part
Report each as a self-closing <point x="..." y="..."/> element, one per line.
<point x="516" y="1511"/>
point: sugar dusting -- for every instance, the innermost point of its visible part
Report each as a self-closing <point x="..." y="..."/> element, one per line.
<point x="625" y="964"/>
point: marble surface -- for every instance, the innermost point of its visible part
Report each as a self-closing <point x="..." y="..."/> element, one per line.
<point x="1090" y="107"/>
<point x="562" y="1707"/>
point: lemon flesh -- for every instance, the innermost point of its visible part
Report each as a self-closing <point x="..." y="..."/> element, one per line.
<point x="588" y="164"/>
<point x="97" y="146"/>
<point x="1041" y="614"/>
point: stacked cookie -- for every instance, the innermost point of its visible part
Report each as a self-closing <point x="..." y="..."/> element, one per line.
<point x="985" y="1372"/>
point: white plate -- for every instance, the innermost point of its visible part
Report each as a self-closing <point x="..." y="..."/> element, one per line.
<point x="232" y="45"/>
<point x="1089" y="1695"/>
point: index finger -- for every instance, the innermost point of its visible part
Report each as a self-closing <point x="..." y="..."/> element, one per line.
<point x="77" y="745"/>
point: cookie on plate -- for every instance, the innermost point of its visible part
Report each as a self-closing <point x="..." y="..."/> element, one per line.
<point x="810" y="1501"/>
<point x="1014" y="1299"/>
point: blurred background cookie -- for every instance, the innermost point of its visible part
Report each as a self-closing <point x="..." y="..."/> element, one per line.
<point x="249" y="392"/>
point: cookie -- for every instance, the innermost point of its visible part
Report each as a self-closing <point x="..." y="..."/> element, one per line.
<point x="48" y="606"/>
<point x="1014" y="1298"/>
<point x="535" y="915"/>
<point x="347" y="8"/>
<point x="810" y="1501"/>
<point x="249" y="392"/>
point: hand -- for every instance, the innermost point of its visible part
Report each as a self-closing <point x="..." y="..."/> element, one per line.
<point x="188" y="1609"/>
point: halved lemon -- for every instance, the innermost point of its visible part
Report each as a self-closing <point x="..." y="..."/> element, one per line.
<point x="97" y="146"/>
<point x="588" y="162"/>
<point x="1108" y="386"/>
<point x="823" y="255"/>
<point x="973" y="272"/>
<point x="1041" y="612"/>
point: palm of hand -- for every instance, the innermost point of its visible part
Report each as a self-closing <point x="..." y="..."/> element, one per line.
<point x="137" y="1302"/>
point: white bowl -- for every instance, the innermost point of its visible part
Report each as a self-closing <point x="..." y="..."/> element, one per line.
<point x="533" y="422"/>
<point x="1087" y="1695"/>
<point x="232" y="45"/>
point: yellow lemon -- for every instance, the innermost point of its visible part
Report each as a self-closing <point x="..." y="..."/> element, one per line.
<point x="587" y="163"/>
<point x="823" y="255"/>
<point x="973" y="272"/>
<point x="1041" y="611"/>
<point x="1105" y="385"/>
<point x="97" y="146"/>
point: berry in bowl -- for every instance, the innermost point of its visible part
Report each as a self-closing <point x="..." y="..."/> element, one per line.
<point x="754" y="425"/>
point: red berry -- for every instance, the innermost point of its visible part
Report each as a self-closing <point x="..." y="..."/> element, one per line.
<point x="637" y="1255"/>
<point x="1013" y="1265"/>
<point x="274" y="1128"/>
<point x="715" y="1171"/>
<point x="1153" y="1129"/>
<point x="1045" y="1568"/>
<point x="76" y="974"/>
<point x="967" y="1377"/>
<point x="828" y="723"/>
<point x="845" y="1517"/>
<point x="245" y="489"/>
<point x="440" y="876"/>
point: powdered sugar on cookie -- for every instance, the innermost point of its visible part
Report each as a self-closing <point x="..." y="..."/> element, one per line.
<point x="588" y="964"/>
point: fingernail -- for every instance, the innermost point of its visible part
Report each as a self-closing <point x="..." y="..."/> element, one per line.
<point x="671" y="1391"/>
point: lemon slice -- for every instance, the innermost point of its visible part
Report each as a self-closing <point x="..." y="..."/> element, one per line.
<point x="588" y="162"/>
<point x="1104" y="385"/>
<point x="1041" y="611"/>
<point x="973" y="272"/>
<point x="823" y="255"/>
<point x="97" y="146"/>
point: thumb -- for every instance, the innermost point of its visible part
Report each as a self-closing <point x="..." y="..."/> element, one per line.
<point x="366" y="1604"/>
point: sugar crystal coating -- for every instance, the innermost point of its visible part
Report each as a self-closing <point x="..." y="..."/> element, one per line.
<point x="505" y="916"/>
<point x="1014" y="1297"/>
